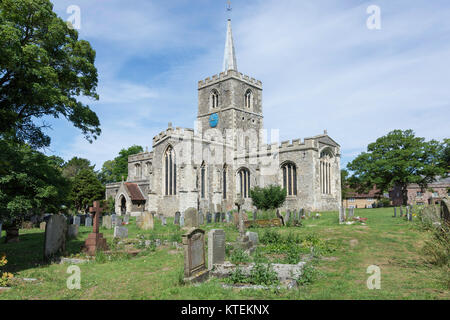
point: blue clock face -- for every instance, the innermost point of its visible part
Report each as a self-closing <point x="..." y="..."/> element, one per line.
<point x="213" y="120"/>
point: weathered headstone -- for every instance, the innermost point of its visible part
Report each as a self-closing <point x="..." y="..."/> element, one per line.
<point x="88" y="222"/>
<point x="194" y="252"/>
<point x="107" y="222"/>
<point x="120" y="232"/>
<point x="77" y="220"/>
<point x="279" y="216"/>
<point x="287" y="216"/>
<point x="217" y="217"/>
<point x="72" y="231"/>
<point x="176" y="220"/>
<point x="201" y="218"/>
<point x="42" y="225"/>
<point x="191" y="218"/>
<point x="117" y="222"/>
<point x="147" y="221"/>
<point x="126" y="219"/>
<point x="253" y="237"/>
<point x="216" y="247"/>
<point x="55" y="236"/>
<point x="164" y="221"/>
<point x="113" y="220"/>
<point x="401" y="211"/>
<point x="208" y="218"/>
<point x="182" y="220"/>
<point x="255" y="215"/>
<point x="341" y="215"/>
<point x="445" y="210"/>
<point x="229" y="217"/>
<point x="395" y="212"/>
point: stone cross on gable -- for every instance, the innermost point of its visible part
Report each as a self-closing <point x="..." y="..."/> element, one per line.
<point x="97" y="210"/>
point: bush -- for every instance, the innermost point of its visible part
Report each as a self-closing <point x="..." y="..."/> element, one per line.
<point x="270" y="197"/>
<point x="5" y="276"/>
<point x="308" y="276"/>
<point x="239" y="256"/>
<point x="270" y="236"/>
<point x="263" y="274"/>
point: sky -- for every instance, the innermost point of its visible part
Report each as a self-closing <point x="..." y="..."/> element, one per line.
<point x="321" y="67"/>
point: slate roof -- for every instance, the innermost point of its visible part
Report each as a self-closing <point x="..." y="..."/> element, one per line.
<point x="134" y="192"/>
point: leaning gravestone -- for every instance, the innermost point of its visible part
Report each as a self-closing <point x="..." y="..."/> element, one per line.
<point x="147" y="221"/>
<point x="77" y="220"/>
<point x="177" y="218"/>
<point x="120" y="232"/>
<point x="191" y="218"/>
<point x="194" y="252"/>
<point x="42" y="225"/>
<point x="107" y="223"/>
<point x="88" y="222"/>
<point x="72" y="231"/>
<point x="55" y="236"/>
<point x="253" y="237"/>
<point x="216" y="247"/>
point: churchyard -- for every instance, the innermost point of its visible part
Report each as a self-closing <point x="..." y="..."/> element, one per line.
<point x="331" y="259"/>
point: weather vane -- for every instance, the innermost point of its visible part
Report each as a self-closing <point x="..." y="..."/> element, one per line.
<point x="229" y="9"/>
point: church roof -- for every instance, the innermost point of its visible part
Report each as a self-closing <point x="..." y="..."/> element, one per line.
<point x="134" y="192"/>
<point x="229" y="59"/>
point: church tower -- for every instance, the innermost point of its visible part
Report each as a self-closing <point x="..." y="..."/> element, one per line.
<point x="230" y="100"/>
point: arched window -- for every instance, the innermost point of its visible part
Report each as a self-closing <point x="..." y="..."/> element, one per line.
<point x="170" y="170"/>
<point x="244" y="182"/>
<point x="249" y="99"/>
<point x="148" y="166"/>
<point x="224" y="181"/>
<point x="214" y="99"/>
<point x="325" y="171"/>
<point x="137" y="170"/>
<point x="203" y="180"/>
<point x="290" y="178"/>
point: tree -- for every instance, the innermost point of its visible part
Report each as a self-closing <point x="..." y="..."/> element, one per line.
<point x="86" y="188"/>
<point x="344" y="184"/>
<point x="44" y="69"/>
<point x="396" y="160"/>
<point x="29" y="184"/>
<point x="270" y="197"/>
<point x="74" y="166"/>
<point x="445" y="156"/>
<point x="114" y="170"/>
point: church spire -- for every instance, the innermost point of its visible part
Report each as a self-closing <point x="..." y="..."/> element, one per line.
<point x="229" y="60"/>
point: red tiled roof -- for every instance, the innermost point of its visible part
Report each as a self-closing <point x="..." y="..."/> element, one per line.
<point x="374" y="193"/>
<point x="134" y="191"/>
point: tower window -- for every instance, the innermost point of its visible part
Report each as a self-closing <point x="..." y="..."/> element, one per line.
<point x="244" y="182"/>
<point x="137" y="170"/>
<point x="170" y="170"/>
<point x="214" y="99"/>
<point x="249" y="99"/>
<point x="290" y="178"/>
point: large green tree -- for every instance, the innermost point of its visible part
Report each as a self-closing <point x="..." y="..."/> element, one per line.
<point x="30" y="183"/>
<point x="114" y="170"/>
<point x="44" y="69"/>
<point x="397" y="159"/>
<point x="86" y="188"/>
<point x="72" y="167"/>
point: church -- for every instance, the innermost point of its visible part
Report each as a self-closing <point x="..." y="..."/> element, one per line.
<point x="227" y="154"/>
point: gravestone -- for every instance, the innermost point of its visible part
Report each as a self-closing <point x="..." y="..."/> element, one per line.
<point x="253" y="237"/>
<point x="113" y="220"/>
<point x="229" y="217"/>
<point x="222" y="217"/>
<point x="395" y="212"/>
<point x="42" y="225"/>
<point x="287" y="217"/>
<point x="107" y="222"/>
<point x="88" y="222"/>
<point x="147" y="221"/>
<point x="201" y="218"/>
<point x="208" y="217"/>
<point x="279" y="216"/>
<point x="72" y="231"/>
<point x="126" y="219"/>
<point x="351" y="213"/>
<point x="217" y="217"/>
<point x="117" y="222"/>
<point x="445" y="212"/>
<point x="295" y="215"/>
<point x="120" y="232"/>
<point x="191" y="218"/>
<point x="194" y="252"/>
<point x="341" y="215"/>
<point x="216" y="247"/>
<point x="401" y="211"/>
<point x="163" y="221"/>
<point x="77" y="220"/>
<point x="182" y="220"/>
<point x="176" y="220"/>
<point x="95" y="240"/>
<point x="255" y="215"/>
<point x="55" y="236"/>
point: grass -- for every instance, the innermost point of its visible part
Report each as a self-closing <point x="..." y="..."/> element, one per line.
<point x="393" y="244"/>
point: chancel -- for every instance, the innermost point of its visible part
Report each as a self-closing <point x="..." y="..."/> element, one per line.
<point x="226" y="155"/>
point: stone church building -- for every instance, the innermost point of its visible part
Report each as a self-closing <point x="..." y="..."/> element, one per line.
<point x="226" y="155"/>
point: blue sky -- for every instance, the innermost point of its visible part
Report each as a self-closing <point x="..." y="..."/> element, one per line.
<point x="320" y="65"/>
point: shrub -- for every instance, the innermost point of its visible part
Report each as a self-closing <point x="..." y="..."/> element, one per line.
<point x="270" y="197"/>
<point x="5" y="276"/>
<point x="270" y="236"/>
<point x="309" y="275"/>
<point x="263" y="274"/>
<point x="239" y="256"/>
